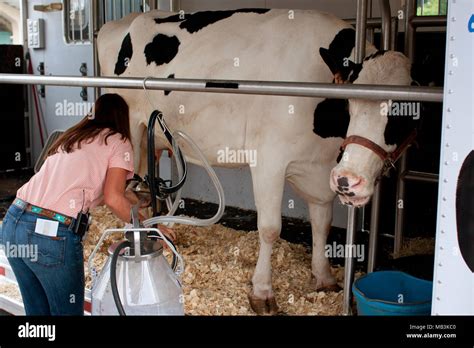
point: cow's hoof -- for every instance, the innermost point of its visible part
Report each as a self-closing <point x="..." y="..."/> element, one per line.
<point x="263" y="306"/>
<point x="272" y="306"/>
<point x="320" y="286"/>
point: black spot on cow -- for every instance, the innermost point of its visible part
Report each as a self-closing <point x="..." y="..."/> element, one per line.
<point x="355" y="69"/>
<point x="124" y="56"/>
<point x="170" y="77"/>
<point x="162" y="49"/>
<point x="398" y="128"/>
<point x="331" y="118"/>
<point x="354" y="73"/>
<point x="464" y="209"/>
<point x="172" y="19"/>
<point x="196" y="21"/>
<point x="337" y="55"/>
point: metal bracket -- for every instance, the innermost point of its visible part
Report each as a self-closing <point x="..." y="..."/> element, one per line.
<point x="41" y="88"/>
<point x="83" y="71"/>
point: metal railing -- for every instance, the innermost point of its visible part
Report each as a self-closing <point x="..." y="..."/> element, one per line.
<point x="292" y="89"/>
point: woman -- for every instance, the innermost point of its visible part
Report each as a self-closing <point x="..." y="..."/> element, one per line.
<point x="88" y="164"/>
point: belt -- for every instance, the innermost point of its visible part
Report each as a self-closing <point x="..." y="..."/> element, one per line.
<point x="67" y="220"/>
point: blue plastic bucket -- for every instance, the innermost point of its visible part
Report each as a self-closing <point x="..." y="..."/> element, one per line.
<point x="392" y="293"/>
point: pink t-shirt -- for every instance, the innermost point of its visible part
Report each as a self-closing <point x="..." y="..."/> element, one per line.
<point x="66" y="181"/>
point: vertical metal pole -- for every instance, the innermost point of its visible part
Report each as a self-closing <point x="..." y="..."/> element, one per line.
<point x="375" y="207"/>
<point x="106" y="11"/>
<point x="361" y="22"/>
<point x="114" y="10"/>
<point x="394" y="38"/>
<point x="144" y="5"/>
<point x="81" y="34"/>
<point x="71" y="21"/>
<point x="386" y="24"/>
<point x="349" y="262"/>
<point x="153" y="4"/>
<point x="175" y="5"/>
<point x="96" y="22"/>
<point x="28" y="96"/>
<point x="410" y="11"/>
<point x="361" y="30"/>
<point x="370" y="34"/>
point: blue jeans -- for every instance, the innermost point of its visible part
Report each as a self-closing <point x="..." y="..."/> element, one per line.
<point x="49" y="270"/>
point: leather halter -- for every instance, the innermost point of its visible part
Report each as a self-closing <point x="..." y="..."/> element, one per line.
<point x="388" y="158"/>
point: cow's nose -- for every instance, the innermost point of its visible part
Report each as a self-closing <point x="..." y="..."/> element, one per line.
<point x="348" y="182"/>
<point x="343" y="181"/>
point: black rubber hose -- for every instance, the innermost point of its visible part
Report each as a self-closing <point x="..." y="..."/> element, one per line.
<point x="174" y="261"/>
<point x="162" y="188"/>
<point x="151" y="160"/>
<point x="113" y="275"/>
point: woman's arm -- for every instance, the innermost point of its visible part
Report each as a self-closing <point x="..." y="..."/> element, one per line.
<point x="114" y="198"/>
<point x="114" y="193"/>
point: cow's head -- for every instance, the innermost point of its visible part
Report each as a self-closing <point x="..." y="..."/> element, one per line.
<point x="359" y="166"/>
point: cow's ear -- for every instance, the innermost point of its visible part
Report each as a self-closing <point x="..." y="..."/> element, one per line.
<point x="330" y="61"/>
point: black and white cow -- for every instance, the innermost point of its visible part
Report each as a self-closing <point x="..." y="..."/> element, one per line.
<point x="296" y="139"/>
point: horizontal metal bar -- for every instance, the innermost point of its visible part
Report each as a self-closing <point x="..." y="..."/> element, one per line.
<point x="294" y="89"/>
<point x="420" y="176"/>
<point x="415" y="21"/>
<point x="375" y="22"/>
<point x="428" y="21"/>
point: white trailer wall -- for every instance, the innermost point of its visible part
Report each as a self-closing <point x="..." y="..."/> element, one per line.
<point x="453" y="292"/>
<point x="59" y="59"/>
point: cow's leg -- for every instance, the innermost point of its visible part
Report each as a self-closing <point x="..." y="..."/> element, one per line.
<point x="268" y="187"/>
<point x="321" y="217"/>
<point x="138" y="133"/>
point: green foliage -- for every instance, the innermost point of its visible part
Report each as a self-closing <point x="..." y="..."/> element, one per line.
<point x="432" y="7"/>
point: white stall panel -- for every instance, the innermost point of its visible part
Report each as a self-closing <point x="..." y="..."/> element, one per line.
<point x="453" y="274"/>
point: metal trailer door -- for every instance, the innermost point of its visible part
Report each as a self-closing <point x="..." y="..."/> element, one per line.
<point x="453" y="291"/>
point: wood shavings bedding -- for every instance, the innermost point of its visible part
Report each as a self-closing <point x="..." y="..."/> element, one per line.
<point x="10" y="290"/>
<point x="219" y="263"/>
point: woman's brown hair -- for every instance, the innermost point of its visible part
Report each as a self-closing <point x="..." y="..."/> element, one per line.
<point x="110" y="112"/>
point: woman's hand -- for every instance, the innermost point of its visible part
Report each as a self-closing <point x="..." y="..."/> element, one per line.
<point x="168" y="232"/>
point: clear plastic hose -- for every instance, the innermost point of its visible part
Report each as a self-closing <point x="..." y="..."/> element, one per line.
<point x="172" y="207"/>
<point x="215" y="180"/>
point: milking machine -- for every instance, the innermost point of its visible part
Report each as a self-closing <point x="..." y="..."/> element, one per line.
<point x="137" y="279"/>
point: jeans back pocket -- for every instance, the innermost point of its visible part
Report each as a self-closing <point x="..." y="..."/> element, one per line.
<point x="49" y="250"/>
